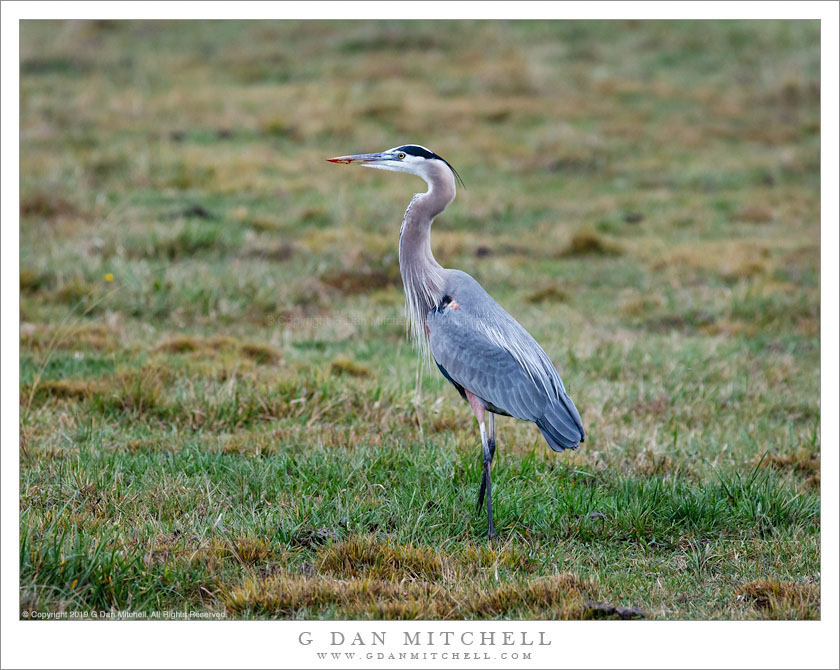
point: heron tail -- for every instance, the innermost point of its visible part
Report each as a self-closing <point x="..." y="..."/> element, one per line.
<point x="561" y="425"/>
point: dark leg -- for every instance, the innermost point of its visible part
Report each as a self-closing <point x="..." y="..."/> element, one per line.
<point x="491" y="442"/>
<point x="488" y="458"/>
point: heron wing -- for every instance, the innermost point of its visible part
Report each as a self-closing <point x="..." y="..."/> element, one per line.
<point x="472" y="361"/>
<point x="483" y="349"/>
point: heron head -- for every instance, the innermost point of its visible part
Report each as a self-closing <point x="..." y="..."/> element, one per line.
<point x="411" y="158"/>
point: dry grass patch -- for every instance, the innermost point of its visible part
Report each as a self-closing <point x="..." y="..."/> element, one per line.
<point x="802" y="462"/>
<point x="586" y="243"/>
<point x="252" y="443"/>
<point x="284" y="596"/>
<point x="736" y="259"/>
<point x="365" y="556"/>
<point x="46" y="205"/>
<point x="354" y="282"/>
<point x="549" y="294"/>
<point x="755" y="213"/>
<point x="252" y="550"/>
<point x="188" y="344"/>
<point x="261" y="354"/>
<point x="344" y="366"/>
<point x="139" y="391"/>
<point x="652" y="464"/>
<point x="782" y="600"/>
<point x="32" y="282"/>
<point x="558" y="596"/>
<point x="60" y="388"/>
<point x="176" y="548"/>
<point x="474" y="557"/>
<point x="86" y="336"/>
<point x="270" y="252"/>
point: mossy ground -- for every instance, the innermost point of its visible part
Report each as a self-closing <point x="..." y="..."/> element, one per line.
<point x="219" y="408"/>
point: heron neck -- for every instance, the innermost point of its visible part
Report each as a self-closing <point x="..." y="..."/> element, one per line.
<point x="423" y="276"/>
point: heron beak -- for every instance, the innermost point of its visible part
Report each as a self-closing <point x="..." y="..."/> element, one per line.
<point x="359" y="158"/>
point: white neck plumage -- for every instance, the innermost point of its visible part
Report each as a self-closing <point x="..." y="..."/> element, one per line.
<point x="423" y="277"/>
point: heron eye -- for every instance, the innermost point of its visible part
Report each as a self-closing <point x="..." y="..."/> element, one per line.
<point x="401" y="155"/>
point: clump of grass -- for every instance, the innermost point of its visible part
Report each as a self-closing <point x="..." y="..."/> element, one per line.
<point x="73" y="291"/>
<point x="314" y="537"/>
<point x="283" y="596"/>
<point x="802" y="461"/>
<point x="652" y="464"/>
<point x="32" y="282"/>
<point x="209" y="346"/>
<point x="408" y="607"/>
<point x="352" y="282"/>
<point x="251" y="443"/>
<point x="587" y="243"/>
<point x="577" y="163"/>
<point x="561" y="595"/>
<point x="688" y="321"/>
<point x="276" y="253"/>
<point x="262" y="354"/>
<point x="755" y="213"/>
<point x="641" y="305"/>
<point x="46" y="205"/>
<point x="345" y="366"/>
<point x="472" y="558"/>
<point x="364" y="555"/>
<point x="62" y="388"/>
<point x="782" y="600"/>
<point x="137" y="392"/>
<point x="252" y="550"/>
<point x="316" y="216"/>
<point x="259" y="222"/>
<point x="84" y="336"/>
<point x="186" y="344"/>
<point x="279" y="127"/>
<point x="746" y="270"/>
<point x="548" y="294"/>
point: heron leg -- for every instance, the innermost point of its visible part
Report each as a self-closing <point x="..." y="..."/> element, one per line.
<point x="477" y="406"/>
<point x="488" y="458"/>
<point x="491" y="442"/>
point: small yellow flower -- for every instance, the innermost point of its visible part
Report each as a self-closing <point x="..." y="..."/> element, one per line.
<point x="109" y="277"/>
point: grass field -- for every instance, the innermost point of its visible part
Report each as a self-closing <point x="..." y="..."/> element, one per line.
<point x="219" y="408"/>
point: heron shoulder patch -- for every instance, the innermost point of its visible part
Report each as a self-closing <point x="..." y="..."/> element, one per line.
<point x="447" y="301"/>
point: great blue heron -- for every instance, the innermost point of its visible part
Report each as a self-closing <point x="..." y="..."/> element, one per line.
<point x="481" y="349"/>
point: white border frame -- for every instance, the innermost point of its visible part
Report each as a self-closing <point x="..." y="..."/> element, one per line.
<point x="274" y="644"/>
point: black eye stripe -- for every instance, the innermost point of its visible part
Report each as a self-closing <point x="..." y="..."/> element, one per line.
<point x="415" y="150"/>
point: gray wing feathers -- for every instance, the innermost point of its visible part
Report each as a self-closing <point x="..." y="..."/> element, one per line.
<point x="560" y="427"/>
<point x="483" y="368"/>
<point x="486" y="351"/>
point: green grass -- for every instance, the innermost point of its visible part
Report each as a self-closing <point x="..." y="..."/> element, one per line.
<point x="235" y="421"/>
